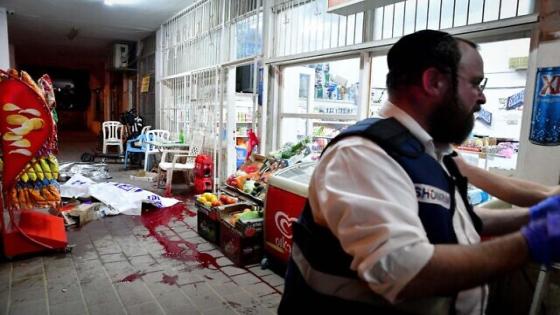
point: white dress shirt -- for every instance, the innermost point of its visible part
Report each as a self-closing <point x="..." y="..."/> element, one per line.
<point x="369" y="202"/>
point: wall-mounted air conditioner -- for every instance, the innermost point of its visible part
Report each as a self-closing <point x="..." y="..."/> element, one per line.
<point x="120" y="56"/>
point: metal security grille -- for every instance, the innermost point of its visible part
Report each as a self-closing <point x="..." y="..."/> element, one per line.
<point x="239" y="9"/>
<point x="174" y="110"/>
<point x="205" y="104"/>
<point x="210" y="33"/>
<point x="409" y="16"/>
<point x="243" y="29"/>
<point x="304" y="26"/>
<point x="204" y="116"/>
<point x="191" y="103"/>
<point x="191" y="39"/>
<point x="193" y="46"/>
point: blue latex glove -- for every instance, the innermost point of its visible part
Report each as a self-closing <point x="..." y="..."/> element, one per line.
<point x="543" y="238"/>
<point x="540" y="210"/>
<point x="553" y="228"/>
<point x="536" y="235"/>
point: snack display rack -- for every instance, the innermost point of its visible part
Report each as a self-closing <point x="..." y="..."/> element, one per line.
<point x="29" y="187"/>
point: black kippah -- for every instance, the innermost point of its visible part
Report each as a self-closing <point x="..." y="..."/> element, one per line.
<point x="414" y="53"/>
<point x="415" y="49"/>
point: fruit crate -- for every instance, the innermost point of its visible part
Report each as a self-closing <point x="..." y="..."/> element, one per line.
<point x="208" y="217"/>
<point x="208" y="225"/>
<point x="243" y="241"/>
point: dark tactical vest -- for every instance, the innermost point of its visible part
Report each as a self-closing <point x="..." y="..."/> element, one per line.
<point x="319" y="277"/>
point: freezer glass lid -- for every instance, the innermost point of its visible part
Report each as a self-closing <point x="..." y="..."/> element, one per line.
<point x="299" y="173"/>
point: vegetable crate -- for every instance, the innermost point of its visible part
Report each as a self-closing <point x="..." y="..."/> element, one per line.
<point x="242" y="242"/>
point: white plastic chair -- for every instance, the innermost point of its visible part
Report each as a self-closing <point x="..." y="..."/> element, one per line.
<point x="181" y="160"/>
<point x="153" y="135"/>
<point x="112" y="135"/>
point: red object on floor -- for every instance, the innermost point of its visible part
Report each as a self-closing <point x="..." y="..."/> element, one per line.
<point x="41" y="228"/>
<point x="203" y="173"/>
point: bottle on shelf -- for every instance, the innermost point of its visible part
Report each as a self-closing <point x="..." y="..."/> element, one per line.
<point x="181" y="136"/>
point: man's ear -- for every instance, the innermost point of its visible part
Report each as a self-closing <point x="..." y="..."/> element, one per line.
<point x="433" y="82"/>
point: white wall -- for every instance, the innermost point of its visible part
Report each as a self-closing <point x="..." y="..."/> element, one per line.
<point x="540" y="163"/>
<point x="12" y="57"/>
<point x="4" y="45"/>
<point x="502" y="83"/>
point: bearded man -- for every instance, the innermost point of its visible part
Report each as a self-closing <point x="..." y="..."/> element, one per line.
<point x="388" y="228"/>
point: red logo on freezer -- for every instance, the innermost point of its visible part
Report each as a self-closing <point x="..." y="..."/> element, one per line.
<point x="284" y="223"/>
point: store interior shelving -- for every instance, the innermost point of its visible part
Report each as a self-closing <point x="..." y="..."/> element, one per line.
<point x="244" y="116"/>
<point x="325" y="130"/>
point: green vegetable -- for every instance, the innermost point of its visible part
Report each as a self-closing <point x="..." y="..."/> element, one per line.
<point x="249" y="186"/>
<point x="249" y="215"/>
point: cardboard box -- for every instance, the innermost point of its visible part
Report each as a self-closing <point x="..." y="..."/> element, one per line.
<point x="242" y="242"/>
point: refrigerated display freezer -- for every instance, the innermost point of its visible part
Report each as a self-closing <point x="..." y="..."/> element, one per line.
<point x="285" y="198"/>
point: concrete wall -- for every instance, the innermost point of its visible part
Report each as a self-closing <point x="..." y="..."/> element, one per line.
<point x="4" y="44"/>
<point x="540" y="163"/>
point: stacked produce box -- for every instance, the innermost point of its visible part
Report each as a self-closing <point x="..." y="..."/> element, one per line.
<point x="241" y="233"/>
<point x="207" y="205"/>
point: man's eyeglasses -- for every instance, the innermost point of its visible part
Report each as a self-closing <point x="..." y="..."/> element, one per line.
<point x="478" y="85"/>
<point x="482" y="84"/>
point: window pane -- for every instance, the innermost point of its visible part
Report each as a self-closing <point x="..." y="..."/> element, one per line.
<point x="333" y="89"/>
<point x="378" y="89"/>
<point x="475" y="11"/>
<point x="293" y="130"/>
<point x="433" y="14"/>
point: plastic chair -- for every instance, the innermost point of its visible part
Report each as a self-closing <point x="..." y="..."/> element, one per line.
<point x="181" y="160"/>
<point x="112" y="135"/>
<point x="153" y="135"/>
<point x="136" y="145"/>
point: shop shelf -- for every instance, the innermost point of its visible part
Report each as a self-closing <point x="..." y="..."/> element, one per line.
<point x="244" y="195"/>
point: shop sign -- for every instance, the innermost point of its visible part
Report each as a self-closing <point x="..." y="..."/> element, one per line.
<point x="485" y="117"/>
<point x="516" y="100"/>
<point x="348" y="7"/>
<point x="145" y="86"/>
<point x="518" y="63"/>
<point x="545" y="119"/>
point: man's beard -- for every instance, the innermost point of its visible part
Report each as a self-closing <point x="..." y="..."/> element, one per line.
<point x="451" y="122"/>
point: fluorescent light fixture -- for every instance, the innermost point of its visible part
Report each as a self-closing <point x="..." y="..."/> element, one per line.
<point x="123" y="2"/>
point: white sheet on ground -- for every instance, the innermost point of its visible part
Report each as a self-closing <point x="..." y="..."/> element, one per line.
<point x="76" y="187"/>
<point x="127" y="199"/>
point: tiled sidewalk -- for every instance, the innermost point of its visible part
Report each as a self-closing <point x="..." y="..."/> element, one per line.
<point x="116" y="267"/>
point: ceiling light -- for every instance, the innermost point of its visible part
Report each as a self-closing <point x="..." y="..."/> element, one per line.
<point x="122" y="2"/>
